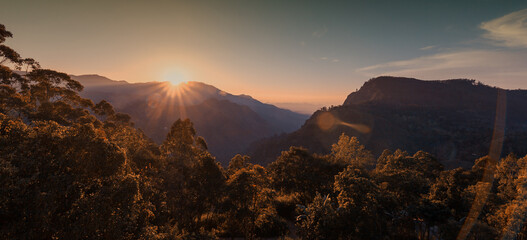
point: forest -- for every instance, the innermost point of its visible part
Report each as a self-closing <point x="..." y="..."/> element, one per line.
<point x="74" y="169"/>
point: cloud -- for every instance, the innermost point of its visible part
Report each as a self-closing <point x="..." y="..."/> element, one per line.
<point x="326" y="59"/>
<point x="503" y="68"/>
<point x="509" y="30"/>
<point x="320" y="33"/>
<point x="428" y="47"/>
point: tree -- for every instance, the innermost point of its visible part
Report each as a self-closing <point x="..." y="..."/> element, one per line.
<point x="507" y="173"/>
<point x="181" y="143"/>
<point x="320" y="220"/>
<point x="238" y="162"/>
<point x="61" y="176"/>
<point x="191" y="180"/>
<point x="39" y="94"/>
<point x="348" y="151"/>
<point x="4" y="33"/>
<point x="405" y="180"/>
<point x="67" y="177"/>
<point x="297" y="171"/>
<point x="359" y="204"/>
<point x="507" y="213"/>
<point x="250" y="202"/>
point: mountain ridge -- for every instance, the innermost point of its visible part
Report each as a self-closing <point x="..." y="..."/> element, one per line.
<point x="452" y="119"/>
<point x="154" y="106"/>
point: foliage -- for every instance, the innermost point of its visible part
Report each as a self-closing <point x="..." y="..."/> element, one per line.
<point x="297" y="171"/>
<point x="348" y="151"/>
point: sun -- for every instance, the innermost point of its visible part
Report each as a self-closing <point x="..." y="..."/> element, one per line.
<point x="175" y="77"/>
<point x="175" y="88"/>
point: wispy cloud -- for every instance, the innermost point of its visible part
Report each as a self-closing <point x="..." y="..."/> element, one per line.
<point x="326" y="59"/>
<point x="500" y="68"/>
<point x="428" y="47"/>
<point x="509" y="30"/>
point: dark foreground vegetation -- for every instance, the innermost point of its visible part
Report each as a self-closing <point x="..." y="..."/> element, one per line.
<point x="72" y="169"/>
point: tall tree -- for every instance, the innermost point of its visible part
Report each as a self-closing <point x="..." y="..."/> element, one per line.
<point x="348" y="151"/>
<point x="297" y="171"/>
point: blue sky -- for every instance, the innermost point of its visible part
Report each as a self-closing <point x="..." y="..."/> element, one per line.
<point x="312" y="52"/>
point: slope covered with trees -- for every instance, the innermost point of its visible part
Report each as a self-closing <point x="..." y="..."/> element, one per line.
<point x="452" y="119"/>
<point x="74" y="169"/>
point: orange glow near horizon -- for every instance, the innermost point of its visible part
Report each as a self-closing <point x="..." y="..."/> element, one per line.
<point x="183" y="67"/>
<point x="175" y="76"/>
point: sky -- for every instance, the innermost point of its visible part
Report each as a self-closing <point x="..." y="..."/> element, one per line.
<point x="290" y="53"/>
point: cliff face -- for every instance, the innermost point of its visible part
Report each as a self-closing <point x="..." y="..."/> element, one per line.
<point x="453" y="94"/>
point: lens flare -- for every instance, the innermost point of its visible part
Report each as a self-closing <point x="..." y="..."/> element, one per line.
<point x="327" y="121"/>
<point x="485" y="185"/>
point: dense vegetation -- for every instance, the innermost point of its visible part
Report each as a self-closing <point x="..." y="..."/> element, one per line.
<point x="73" y="169"/>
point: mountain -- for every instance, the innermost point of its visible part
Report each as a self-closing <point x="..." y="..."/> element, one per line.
<point x="94" y="80"/>
<point x="307" y="108"/>
<point x="452" y="119"/>
<point x="229" y="123"/>
<point x="449" y="94"/>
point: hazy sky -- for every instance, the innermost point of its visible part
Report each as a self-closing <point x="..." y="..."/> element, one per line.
<point x="277" y="51"/>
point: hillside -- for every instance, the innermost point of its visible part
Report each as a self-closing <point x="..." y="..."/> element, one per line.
<point x="229" y="123"/>
<point x="452" y="119"/>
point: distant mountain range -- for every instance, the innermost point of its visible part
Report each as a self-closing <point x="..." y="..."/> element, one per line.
<point x="452" y="119"/>
<point x="229" y="123"/>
